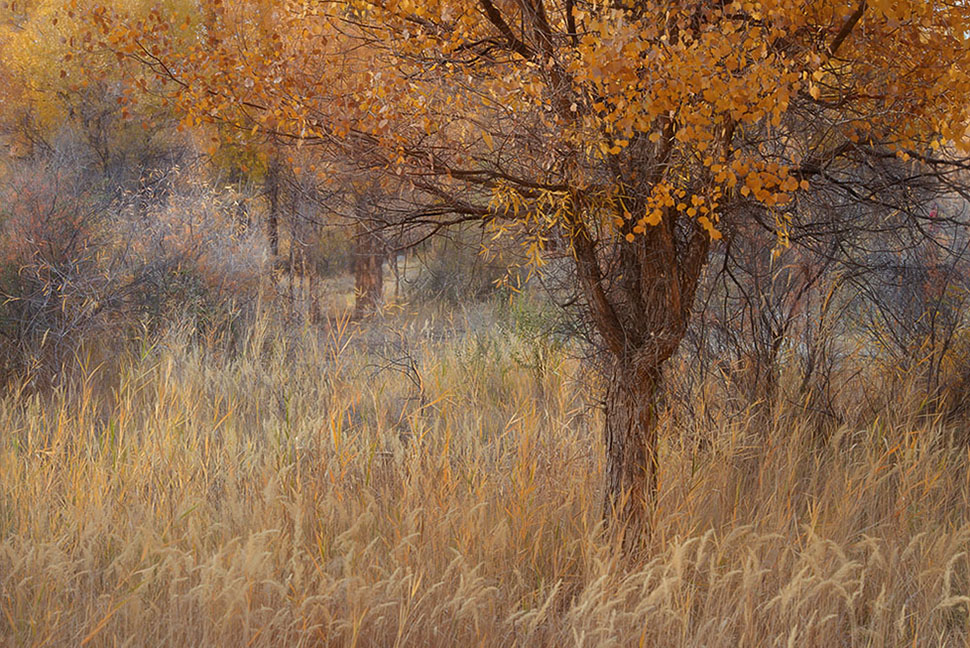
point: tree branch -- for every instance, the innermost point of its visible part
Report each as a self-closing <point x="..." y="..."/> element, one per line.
<point x="847" y="28"/>
<point x="587" y="265"/>
<point x="495" y="17"/>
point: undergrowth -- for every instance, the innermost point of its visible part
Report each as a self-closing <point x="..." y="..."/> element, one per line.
<point x="437" y="490"/>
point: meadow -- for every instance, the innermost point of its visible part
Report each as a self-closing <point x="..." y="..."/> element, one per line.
<point x="432" y="477"/>
<point x="361" y="324"/>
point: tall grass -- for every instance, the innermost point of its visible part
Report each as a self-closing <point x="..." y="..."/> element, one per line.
<point x="415" y="483"/>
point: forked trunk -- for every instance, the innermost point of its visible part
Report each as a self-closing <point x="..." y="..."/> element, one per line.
<point x="642" y="317"/>
<point x="631" y="449"/>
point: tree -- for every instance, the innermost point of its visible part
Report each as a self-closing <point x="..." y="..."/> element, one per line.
<point x="368" y="257"/>
<point x="638" y="131"/>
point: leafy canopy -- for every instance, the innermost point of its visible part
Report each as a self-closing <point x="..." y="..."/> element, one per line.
<point x="619" y="114"/>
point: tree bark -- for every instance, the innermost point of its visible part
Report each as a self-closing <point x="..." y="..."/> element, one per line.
<point x="630" y="434"/>
<point x="642" y="317"/>
<point x="368" y="271"/>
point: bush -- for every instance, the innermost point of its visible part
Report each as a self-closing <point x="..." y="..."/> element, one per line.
<point x="76" y="265"/>
<point x="52" y="285"/>
<point x="194" y="258"/>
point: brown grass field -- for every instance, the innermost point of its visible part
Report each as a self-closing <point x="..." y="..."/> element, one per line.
<point x="416" y="482"/>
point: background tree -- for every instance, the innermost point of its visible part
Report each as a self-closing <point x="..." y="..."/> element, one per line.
<point x="638" y="132"/>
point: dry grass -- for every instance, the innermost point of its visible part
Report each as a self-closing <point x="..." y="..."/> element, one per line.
<point x="426" y="490"/>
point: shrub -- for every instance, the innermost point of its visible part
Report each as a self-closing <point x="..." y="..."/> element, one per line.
<point x="52" y="286"/>
<point x="76" y="264"/>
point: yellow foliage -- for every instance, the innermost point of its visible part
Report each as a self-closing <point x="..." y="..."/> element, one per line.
<point x="690" y="85"/>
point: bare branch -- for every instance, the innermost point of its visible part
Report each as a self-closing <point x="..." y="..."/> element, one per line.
<point x="495" y="17"/>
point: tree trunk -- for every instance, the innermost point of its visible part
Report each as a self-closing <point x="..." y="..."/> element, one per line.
<point x="631" y="449"/>
<point x="273" y="218"/>
<point x="642" y="317"/>
<point x="368" y="271"/>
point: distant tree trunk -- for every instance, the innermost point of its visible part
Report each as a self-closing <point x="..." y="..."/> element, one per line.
<point x="273" y="194"/>
<point x="368" y="270"/>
